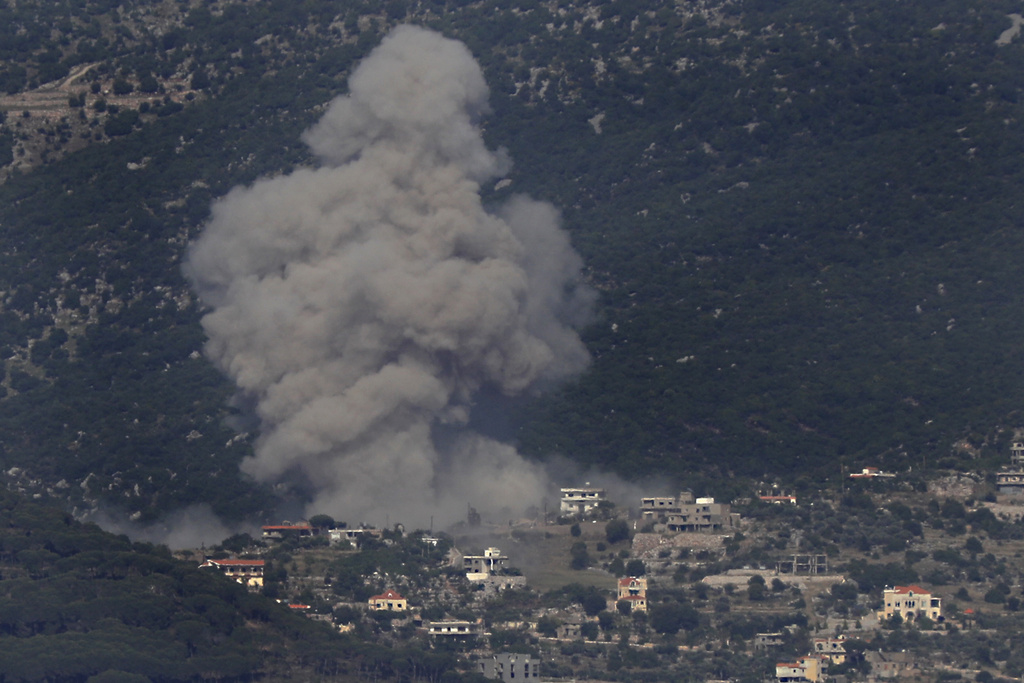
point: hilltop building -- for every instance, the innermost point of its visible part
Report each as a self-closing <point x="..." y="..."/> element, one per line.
<point x="352" y="535"/>
<point x="246" y="572"/>
<point x="871" y="473"/>
<point x="278" y="532"/>
<point x="684" y="513"/>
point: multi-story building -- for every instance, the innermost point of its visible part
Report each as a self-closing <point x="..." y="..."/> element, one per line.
<point x="581" y="501"/>
<point x="1017" y="453"/>
<point x="832" y="649"/>
<point x="246" y="572"/>
<point x="684" y="513"/>
<point x="453" y="629"/>
<point x="509" y="667"/>
<point x="1010" y="480"/>
<point x="634" y="590"/>
<point x="910" y="602"/>
<point x="482" y="566"/>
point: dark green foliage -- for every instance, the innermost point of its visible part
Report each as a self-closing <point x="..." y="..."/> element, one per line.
<point x="671" y="617"/>
<point x="579" y="557"/>
<point x="82" y="603"/>
<point x="616" y="530"/>
<point x="779" y="265"/>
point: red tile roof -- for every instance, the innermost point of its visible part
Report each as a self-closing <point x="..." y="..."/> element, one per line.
<point x="904" y="590"/>
<point x="388" y="595"/>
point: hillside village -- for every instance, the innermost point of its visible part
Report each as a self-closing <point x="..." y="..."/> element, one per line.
<point x="889" y="578"/>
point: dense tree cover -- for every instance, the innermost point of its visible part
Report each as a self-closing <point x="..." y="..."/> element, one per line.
<point x="801" y="218"/>
<point x="79" y="602"/>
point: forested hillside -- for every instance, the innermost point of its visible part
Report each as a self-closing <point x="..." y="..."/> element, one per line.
<point x="79" y="602"/>
<point x="803" y="221"/>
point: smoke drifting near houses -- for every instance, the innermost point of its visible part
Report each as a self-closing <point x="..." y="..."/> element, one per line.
<point x="361" y="305"/>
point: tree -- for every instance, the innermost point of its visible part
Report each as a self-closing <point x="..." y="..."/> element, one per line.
<point x="548" y="626"/>
<point x="593" y="602"/>
<point x="671" y="617"/>
<point x="636" y="567"/>
<point x="588" y="630"/>
<point x="575" y="530"/>
<point x="322" y="522"/>
<point x="616" y="530"/>
<point x="580" y="558"/>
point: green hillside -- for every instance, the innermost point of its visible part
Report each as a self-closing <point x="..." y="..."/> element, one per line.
<point x="803" y="221"/>
<point x="80" y="604"/>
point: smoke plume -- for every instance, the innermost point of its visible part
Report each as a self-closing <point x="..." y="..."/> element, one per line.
<point x="362" y="304"/>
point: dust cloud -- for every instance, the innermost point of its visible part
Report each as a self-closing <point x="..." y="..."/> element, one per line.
<point x="361" y="305"/>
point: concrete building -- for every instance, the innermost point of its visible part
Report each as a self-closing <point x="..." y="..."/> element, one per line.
<point x="509" y="667"/>
<point x="352" y="535"/>
<point x="1010" y="480"/>
<point x="1017" y="453"/>
<point x="453" y="629"/>
<point x="246" y="572"/>
<point x="277" y="532"/>
<point x="890" y="664"/>
<point x="685" y="513"/>
<point x="763" y="641"/>
<point x="481" y="566"/>
<point x="910" y="602"/>
<point x="581" y="501"/>
<point x="831" y="649"/>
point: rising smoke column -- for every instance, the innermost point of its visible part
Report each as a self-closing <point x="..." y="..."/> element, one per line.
<point x="363" y="303"/>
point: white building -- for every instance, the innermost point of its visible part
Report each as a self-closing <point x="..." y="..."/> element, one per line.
<point x="580" y="501"/>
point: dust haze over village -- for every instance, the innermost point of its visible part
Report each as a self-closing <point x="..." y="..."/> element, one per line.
<point x="605" y="341"/>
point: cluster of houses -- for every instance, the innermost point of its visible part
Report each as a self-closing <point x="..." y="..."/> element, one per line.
<point x="684" y="512"/>
<point x="909" y="603"/>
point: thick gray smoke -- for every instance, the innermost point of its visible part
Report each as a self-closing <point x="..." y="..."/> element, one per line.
<point x="363" y="303"/>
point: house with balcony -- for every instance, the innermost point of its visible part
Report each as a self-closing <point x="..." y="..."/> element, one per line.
<point x="634" y="591"/>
